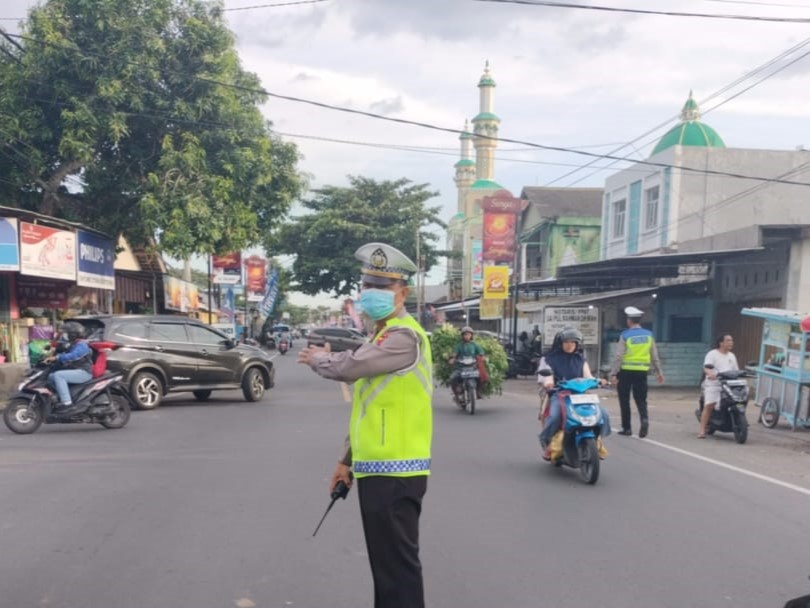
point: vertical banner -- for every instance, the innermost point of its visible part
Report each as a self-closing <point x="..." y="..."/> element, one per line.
<point x="47" y="252"/>
<point x="9" y="244"/>
<point x="501" y="211"/>
<point x="180" y="295"/>
<point x="496" y="282"/>
<point x="477" y="264"/>
<point x="490" y="309"/>
<point x="270" y="294"/>
<point x="96" y="260"/>
<point x="255" y="278"/>
<point x="227" y="268"/>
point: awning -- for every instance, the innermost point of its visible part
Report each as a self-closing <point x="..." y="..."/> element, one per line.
<point x="471" y="303"/>
<point x="597" y="296"/>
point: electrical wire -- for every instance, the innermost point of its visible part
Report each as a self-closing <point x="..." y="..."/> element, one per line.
<point x="639" y="11"/>
<point x="248" y="8"/>
<point x="754" y="3"/>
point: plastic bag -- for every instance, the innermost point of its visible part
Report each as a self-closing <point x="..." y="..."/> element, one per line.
<point x="556" y="446"/>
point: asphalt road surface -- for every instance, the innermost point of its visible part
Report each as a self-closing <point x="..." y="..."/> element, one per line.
<point x="212" y="505"/>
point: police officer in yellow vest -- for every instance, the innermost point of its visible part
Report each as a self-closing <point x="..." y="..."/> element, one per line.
<point x="391" y="427"/>
<point x="635" y="354"/>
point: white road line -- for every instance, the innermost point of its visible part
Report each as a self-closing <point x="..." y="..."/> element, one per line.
<point x="730" y="467"/>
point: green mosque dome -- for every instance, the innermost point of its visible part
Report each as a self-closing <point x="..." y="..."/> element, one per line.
<point x="690" y="132"/>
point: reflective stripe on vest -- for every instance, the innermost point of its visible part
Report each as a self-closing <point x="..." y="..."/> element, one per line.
<point x="392" y="425"/>
<point x="637" y="353"/>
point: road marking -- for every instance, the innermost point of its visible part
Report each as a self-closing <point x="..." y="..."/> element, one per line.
<point x="730" y="467"/>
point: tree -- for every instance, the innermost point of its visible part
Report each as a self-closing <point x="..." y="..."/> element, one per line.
<point x="112" y="113"/>
<point x="344" y="218"/>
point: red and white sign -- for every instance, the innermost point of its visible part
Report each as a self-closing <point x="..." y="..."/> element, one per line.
<point x="255" y="278"/>
<point x="47" y="252"/>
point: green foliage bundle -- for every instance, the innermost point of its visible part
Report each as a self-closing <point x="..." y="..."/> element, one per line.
<point x="443" y="342"/>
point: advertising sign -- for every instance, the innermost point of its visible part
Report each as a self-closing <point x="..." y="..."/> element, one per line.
<point x="180" y="295"/>
<point x="496" y="282"/>
<point x="477" y="262"/>
<point x="9" y="244"/>
<point x="227" y="268"/>
<point x="41" y="293"/>
<point x="270" y="294"/>
<point x="229" y="329"/>
<point x="499" y="236"/>
<point x="490" y="309"/>
<point x="255" y="278"/>
<point x="584" y="319"/>
<point x="47" y="252"/>
<point x="96" y="259"/>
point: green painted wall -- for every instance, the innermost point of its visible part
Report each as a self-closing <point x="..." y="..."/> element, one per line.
<point x="571" y="240"/>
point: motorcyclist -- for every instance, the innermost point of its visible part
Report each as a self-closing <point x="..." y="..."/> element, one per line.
<point x="465" y="348"/>
<point x="566" y="360"/>
<point x="75" y="364"/>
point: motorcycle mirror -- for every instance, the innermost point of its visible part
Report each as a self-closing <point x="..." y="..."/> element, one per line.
<point x="545" y="372"/>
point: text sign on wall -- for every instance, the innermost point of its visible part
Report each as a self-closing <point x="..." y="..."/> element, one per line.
<point x="96" y="259"/>
<point x="557" y="318"/>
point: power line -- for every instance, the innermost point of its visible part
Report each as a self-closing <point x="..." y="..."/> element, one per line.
<point x="639" y="11"/>
<point x="433" y="127"/>
<point x="753" y="2"/>
<point x="248" y="8"/>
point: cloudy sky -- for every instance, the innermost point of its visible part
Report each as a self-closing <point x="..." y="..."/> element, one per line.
<point x="566" y="77"/>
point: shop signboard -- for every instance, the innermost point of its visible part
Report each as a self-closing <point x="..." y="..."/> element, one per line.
<point x="9" y="244"/>
<point x="255" y="278"/>
<point x="227" y="268"/>
<point x="490" y="309"/>
<point x="496" y="282"/>
<point x="501" y="212"/>
<point x="477" y="250"/>
<point x="585" y="319"/>
<point x="42" y="293"/>
<point x="179" y="295"/>
<point x="96" y="259"/>
<point x="47" y="252"/>
<point x="229" y="329"/>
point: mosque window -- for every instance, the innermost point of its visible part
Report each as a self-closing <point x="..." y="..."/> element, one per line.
<point x="651" y="197"/>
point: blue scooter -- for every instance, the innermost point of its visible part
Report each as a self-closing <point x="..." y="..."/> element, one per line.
<point x="582" y="425"/>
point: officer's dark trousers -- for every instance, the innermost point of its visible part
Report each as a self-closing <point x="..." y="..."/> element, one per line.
<point x="635" y="382"/>
<point x="390" y="507"/>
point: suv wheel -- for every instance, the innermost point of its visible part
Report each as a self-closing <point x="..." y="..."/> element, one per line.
<point x="253" y="385"/>
<point x="202" y="395"/>
<point x="147" y="390"/>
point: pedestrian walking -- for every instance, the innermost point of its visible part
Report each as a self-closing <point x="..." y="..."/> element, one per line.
<point x="391" y="427"/>
<point x="635" y="355"/>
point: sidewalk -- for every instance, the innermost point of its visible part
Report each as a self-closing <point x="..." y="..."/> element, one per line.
<point x="673" y="408"/>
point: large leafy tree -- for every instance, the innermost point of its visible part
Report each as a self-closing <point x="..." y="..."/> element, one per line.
<point x="341" y="219"/>
<point x="135" y="116"/>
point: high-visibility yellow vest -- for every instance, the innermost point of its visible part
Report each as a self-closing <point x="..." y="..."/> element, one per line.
<point x="391" y="426"/>
<point x="638" y="344"/>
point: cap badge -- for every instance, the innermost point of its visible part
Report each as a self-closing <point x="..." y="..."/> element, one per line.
<point x="379" y="259"/>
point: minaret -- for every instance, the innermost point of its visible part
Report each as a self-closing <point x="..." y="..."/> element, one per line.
<point x="465" y="168"/>
<point x="485" y="123"/>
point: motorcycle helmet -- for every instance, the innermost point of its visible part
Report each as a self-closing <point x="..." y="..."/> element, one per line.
<point x="73" y="330"/>
<point x="467" y="330"/>
<point x="569" y="334"/>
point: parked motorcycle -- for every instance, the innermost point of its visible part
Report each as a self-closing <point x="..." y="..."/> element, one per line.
<point x="283" y="346"/>
<point x="522" y="364"/>
<point x="581" y="426"/>
<point x="729" y="415"/>
<point x="104" y="400"/>
<point x="468" y="384"/>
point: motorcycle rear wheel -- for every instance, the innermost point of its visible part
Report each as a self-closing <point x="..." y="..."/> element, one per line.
<point x="471" y="399"/>
<point x="120" y="416"/>
<point x="21" y="419"/>
<point x="588" y="461"/>
<point x="741" y="429"/>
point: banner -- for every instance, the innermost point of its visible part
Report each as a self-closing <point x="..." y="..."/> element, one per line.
<point x="499" y="236"/>
<point x="270" y="294"/>
<point x="496" y="282"/>
<point x="180" y="295"/>
<point x="477" y="263"/>
<point x="9" y="244"/>
<point x="255" y="278"/>
<point x="47" y="252"/>
<point x="490" y="309"/>
<point x="583" y="318"/>
<point x="227" y="268"/>
<point x="96" y="259"/>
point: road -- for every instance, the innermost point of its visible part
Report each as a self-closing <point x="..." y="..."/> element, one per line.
<point x="213" y="506"/>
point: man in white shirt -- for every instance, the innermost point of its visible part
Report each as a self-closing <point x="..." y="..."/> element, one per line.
<point x="722" y="360"/>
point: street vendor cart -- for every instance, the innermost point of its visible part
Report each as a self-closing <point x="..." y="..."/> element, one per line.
<point x="783" y="369"/>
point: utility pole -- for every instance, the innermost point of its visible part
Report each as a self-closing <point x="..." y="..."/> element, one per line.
<point x="418" y="275"/>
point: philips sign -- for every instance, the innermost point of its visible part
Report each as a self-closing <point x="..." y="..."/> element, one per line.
<point x="96" y="257"/>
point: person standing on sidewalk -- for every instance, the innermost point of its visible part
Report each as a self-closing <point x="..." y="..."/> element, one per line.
<point x="391" y="425"/>
<point x="634" y="357"/>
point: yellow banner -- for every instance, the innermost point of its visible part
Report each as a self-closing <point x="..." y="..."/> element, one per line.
<point x="496" y="282"/>
<point x="490" y="309"/>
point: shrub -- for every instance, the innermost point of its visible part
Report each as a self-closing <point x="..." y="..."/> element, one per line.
<point x="443" y="342"/>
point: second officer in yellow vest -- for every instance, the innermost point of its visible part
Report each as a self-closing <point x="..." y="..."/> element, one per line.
<point x="391" y="425"/>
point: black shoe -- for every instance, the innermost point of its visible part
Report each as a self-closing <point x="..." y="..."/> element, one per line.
<point x="67" y="410"/>
<point x="645" y="426"/>
<point x="625" y="432"/>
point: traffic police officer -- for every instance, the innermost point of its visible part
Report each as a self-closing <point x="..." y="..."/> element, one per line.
<point x="634" y="356"/>
<point x="390" y="433"/>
